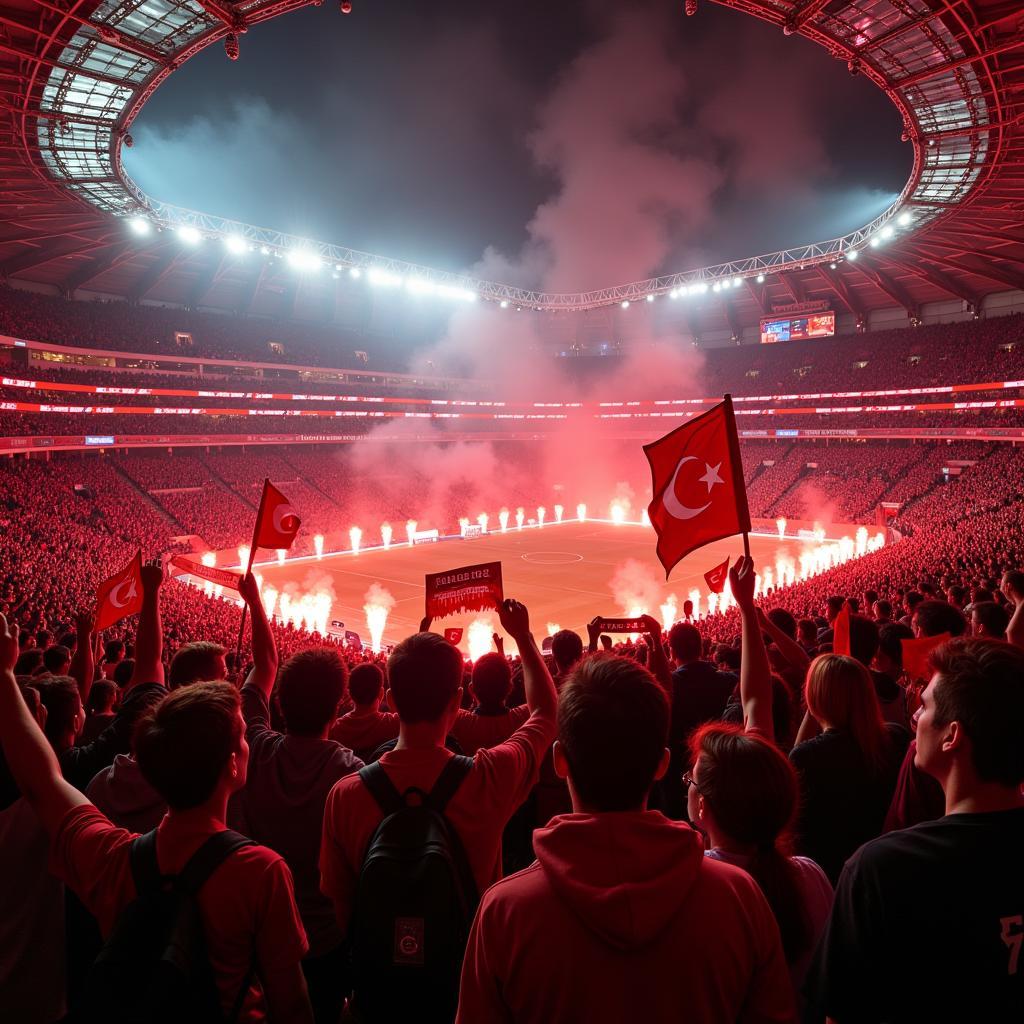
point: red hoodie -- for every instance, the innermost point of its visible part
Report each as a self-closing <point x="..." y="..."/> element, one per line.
<point x="623" y="918"/>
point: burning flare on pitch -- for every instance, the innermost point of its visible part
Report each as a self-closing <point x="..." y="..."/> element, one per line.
<point x="385" y="534"/>
<point x="410" y="530"/>
<point x="377" y="603"/>
<point x="581" y="512"/>
<point x="520" y="517"/>
<point x="559" y="510"/>
<point x="318" y="545"/>
<point x="478" y="637"/>
<point x="355" y="535"/>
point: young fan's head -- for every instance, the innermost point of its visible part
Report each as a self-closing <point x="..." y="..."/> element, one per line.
<point x="973" y="713"/>
<point x="492" y="681"/>
<point x="192" y="742"/>
<point x="684" y="640"/>
<point x="425" y="678"/>
<point x="566" y="649"/>
<point x="863" y="638"/>
<point x="57" y="660"/>
<point x="933" y="617"/>
<point x="64" y="715"/>
<point x="989" y="620"/>
<point x="365" y="684"/>
<point x="310" y="687"/>
<point x="102" y="696"/>
<point x="198" y="662"/>
<point x="612" y="729"/>
<point x="113" y="650"/>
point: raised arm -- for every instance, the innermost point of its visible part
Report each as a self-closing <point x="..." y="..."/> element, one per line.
<point x="788" y="647"/>
<point x="656" y="660"/>
<point x="264" y="651"/>
<point x="83" y="667"/>
<point x="541" y="698"/>
<point x="1015" y="627"/>
<point x="149" y="639"/>
<point x="755" y="670"/>
<point x="30" y="757"/>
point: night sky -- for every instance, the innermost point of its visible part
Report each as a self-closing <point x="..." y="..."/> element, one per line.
<point x="570" y="145"/>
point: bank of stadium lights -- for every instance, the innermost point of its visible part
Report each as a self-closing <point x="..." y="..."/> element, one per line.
<point x="236" y="244"/>
<point x="852" y="254"/>
<point x="760" y="278"/>
<point x="302" y="259"/>
<point x="140" y="226"/>
<point x="189" y="235"/>
<point x="355" y="273"/>
<point x="904" y="219"/>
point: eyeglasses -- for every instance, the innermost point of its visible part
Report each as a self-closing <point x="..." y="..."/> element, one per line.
<point x="689" y="780"/>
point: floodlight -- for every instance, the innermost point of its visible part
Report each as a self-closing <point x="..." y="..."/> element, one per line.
<point x="235" y="244"/>
<point x="716" y="287"/>
<point x="760" y="278"/>
<point x="833" y="265"/>
<point x="303" y="259"/>
<point x="904" y="219"/>
<point x="139" y="225"/>
<point x="888" y="231"/>
<point x="355" y="272"/>
<point x="504" y="304"/>
<point x="852" y="254"/>
<point x="650" y="298"/>
<point x="264" y="250"/>
<point x="624" y="303"/>
<point x="737" y="281"/>
<point x="189" y="234"/>
<point x="875" y="242"/>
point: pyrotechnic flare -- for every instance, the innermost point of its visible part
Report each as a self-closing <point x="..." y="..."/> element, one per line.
<point x="269" y="601"/>
<point x="713" y="603"/>
<point x="635" y="612"/>
<point x="819" y="533"/>
<point x="694" y="596"/>
<point x="541" y="513"/>
<point x="478" y="637"/>
<point x="581" y="512"/>
<point x="876" y="542"/>
<point x="559" y="509"/>
<point x="281" y="555"/>
<point x="378" y="603"/>
<point x="209" y="559"/>
<point x="645" y="517"/>
<point x="482" y="520"/>
<point x="243" y="554"/>
<point x="385" y="534"/>
<point x="780" y="525"/>
<point x="618" y="511"/>
<point x="520" y="517"/>
<point x="410" y="530"/>
<point x="355" y="535"/>
<point x="861" y="539"/>
<point x="553" y="628"/>
<point x="318" y="545"/>
<point x="669" y="612"/>
<point x="463" y="525"/>
<point x="768" y="578"/>
<point x="503" y="520"/>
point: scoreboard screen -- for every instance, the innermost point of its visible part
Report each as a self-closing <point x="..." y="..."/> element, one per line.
<point x="799" y="328"/>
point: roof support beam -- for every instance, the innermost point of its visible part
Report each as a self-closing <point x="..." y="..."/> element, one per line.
<point x="792" y="286"/>
<point x="940" y="279"/>
<point x="99" y="264"/>
<point x="946" y="66"/>
<point x="37" y="257"/>
<point x="835" y="281"/>
<point x="759" y="293"/>
<point x="886" y="284"/>
<point x="982" y="267"/>
<point x="208" y="274"/>
<point x="154" y="274"/>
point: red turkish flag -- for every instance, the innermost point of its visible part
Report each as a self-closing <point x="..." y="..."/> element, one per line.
<point x="917" y="652"/>
<point x="697" y="480"/>
<point x="120" y="595"/>
<point x="276" y="522"/>
<point x="453" y="635"/>
<point x="715" y="578"/>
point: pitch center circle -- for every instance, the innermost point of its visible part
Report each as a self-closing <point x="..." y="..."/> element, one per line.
<point x="551" y="557"/>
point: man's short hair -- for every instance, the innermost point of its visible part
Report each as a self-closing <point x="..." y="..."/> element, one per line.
<point x="310" y="687"/>
<point x="566" y="648"/>
<point x="911" y="599"/>
<point x="807" y="628"/>
<point x="59" y="695"/>
<point x="863" y="639"/>
<point x="834" y="604"/>
<point x="424" y="674"/>
<point x="613" y="726"/>
<point x="492" y="680"/>
<point x="935" y="617"/>
<point x="184" y="743"/>
<point x="784" y="620"/>
<point x="882" y="608"/>
<point x="113" y="650"/>
<point x="102" y="695"/>
<point x="890" y="640"/>
<point x="365" y="683"/>
<point x="684" y="640"/>
<point x="29" y="662"/>
<point x="1015" y="579"/>
<point x="123" y="672"/>
<point x="197" y="662"/>
<point x="43" y="638"/>
<point x="56" y="660"/>
<point x="994" y="617"/>
<point x="981" y="685"/>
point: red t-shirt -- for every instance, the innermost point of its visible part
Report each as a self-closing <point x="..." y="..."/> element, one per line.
<point x="500" y="780"/>
<point x="364" y="732"/>
<point x="247" y="904"/>
<point x="473" y="731"/>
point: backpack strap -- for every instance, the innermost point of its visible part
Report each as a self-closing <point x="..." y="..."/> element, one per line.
<point x="375" y="779"/>
<point x="448" y="782"/>
<point x="145" y="869"/>
<point x="214" y="851"/>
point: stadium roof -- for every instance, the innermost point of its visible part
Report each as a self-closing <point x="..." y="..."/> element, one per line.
<point x="75" y="74"/>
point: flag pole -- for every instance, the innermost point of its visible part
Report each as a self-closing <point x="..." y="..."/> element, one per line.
<point x="248" y="569"/>
<point x="737" y="461"/>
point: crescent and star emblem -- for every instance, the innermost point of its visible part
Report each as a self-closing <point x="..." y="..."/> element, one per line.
<point x="115" y="594"/>
<point x="284" y="519"/>
<point x="673" y="506"/>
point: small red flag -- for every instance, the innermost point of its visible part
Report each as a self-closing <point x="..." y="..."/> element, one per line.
<point x="841" y="631"/>
<point x="697" y="481"/>
<point x="120" y="595"/>
<point x="716" y="577"/>
<point x="276" y="522"/>
<point x="917" y="651"/>
<point x="453" y="635"/>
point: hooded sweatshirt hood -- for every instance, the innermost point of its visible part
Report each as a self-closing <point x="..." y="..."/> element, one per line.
<point x="122" y="793"/>
<point x="624" y="875"/>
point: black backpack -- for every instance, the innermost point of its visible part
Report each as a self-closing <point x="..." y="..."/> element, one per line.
<point x="154" y="967"/>
<point x="413" y="905"/>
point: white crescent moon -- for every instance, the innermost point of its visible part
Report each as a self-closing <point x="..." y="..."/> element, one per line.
<point x="114" y="593"/>
<point x="673" y="506"/>
<point x="279" y="515"/>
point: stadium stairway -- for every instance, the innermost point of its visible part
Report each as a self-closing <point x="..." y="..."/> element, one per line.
<point x="148" y="498"/>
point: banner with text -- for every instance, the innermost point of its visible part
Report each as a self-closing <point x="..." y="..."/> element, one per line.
<point x="471" y="588"/>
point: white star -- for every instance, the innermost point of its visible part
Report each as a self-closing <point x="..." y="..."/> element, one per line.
<point x="711" y="477"/>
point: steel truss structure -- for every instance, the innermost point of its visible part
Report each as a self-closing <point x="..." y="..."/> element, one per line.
<point x="76" y="73"/>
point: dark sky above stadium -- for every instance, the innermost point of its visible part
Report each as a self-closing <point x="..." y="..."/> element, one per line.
<point x="568" y="144"/>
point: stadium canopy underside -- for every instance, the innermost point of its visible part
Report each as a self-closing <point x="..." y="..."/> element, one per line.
<point x="75" y="74"/>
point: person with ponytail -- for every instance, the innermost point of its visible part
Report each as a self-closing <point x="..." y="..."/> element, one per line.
<point x="847" y="759"/>
<point x="743" y="795"/>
